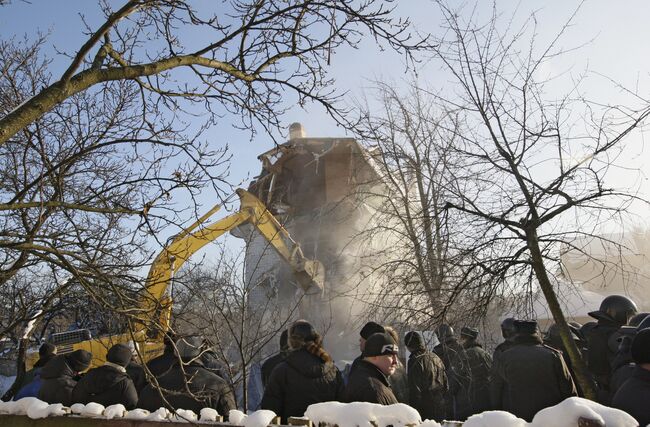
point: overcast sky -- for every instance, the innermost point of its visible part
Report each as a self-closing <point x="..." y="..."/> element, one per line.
<point x="616" y="34"/>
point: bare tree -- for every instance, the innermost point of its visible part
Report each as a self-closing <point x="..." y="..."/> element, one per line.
<point x="532" y="182"/>
<point x="252" y="55"/>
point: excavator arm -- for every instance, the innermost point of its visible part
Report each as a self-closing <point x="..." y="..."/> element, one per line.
<point x="309" y="273"/>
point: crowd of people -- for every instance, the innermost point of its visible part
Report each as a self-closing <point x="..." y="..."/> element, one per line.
<point x="457" y="378"/>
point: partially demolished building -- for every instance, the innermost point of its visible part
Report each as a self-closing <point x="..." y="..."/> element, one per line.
<point x="321" y="190"/>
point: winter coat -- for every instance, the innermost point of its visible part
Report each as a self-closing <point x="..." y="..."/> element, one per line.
<point x="602" y="345"/>
<point x="620" y="376"/>
<point x="299" y="381"/>
<point x="32" y="387"/>
<point x="207" y="390"/>
<point x="634" y="396"/>
<point x="427" y="384"/>
<point x="137" y="375"/>
<point x="458" y="374"/>
<point x="476" y="398"/>
<point x="57" y="382"/>
<point x="163" y="363"/>
<point x="532" y="376"/>
<point x="368" y="384"/>
<point x="498" y="396"/>
<point x="399" y="383"/>
<point x="106" y="385"/>
<point x="269" y="364"/>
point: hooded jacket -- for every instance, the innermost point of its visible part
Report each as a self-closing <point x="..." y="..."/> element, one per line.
<point x="427" y="384"/>
<point x="634" y="395"/>
<point x="532" y="376"/>
<point x="207" y="390"/>
<point x="299" y="381"/>
<point x="57" y="382"/>
<point x="106" y="385"/>
<point x="368" y="384"/>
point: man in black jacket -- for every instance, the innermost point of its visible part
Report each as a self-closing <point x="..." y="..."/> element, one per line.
<point x="163" y="363"/>
<point x="456" y="368"/>
<point x="477" y="397"/>
<point x="367" y="330"/>
<point x="59" y="376"/>
<point x="369" y="380"/>
<point x="634" y="395"/>
<point x="532" y="376"/>
<point x="109" y="384"/>
<point x="508" y="334"/>
<point x="276" y="359"/>
<point x="206" y="390"/>
<point x="426" y="379"/>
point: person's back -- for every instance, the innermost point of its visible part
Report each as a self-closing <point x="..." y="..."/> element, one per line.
<point x="534" y="376"/>
<point x="456" y="368"/>
<point x="273" y="361"/>
<point x="300" y="380"/>
<point x="108" y="384"/>
<point x="205" y="388"/>
<point x="634" y="395"/>
<point x="162" y="364"/>
<point x="427" y="379"/>
<point x="477" y="397"/>
<point x="31" y="387"/>
<point x="58" y="376"/>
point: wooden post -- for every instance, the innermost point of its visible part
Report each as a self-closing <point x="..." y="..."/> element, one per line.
<point x="299" y="421"/>
<point x="589" y="422"/>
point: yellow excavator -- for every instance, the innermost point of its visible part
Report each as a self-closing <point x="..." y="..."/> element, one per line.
<point x="156" y="306"/>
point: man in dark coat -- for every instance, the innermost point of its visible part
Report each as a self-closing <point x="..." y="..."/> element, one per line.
<point x="456" y="368"/>
<point x="426" y="378"/>
<point x="32" y="379"/>
<point x="276" y="359"/>
<point x="369" y="380"/>
<point x="109" y="384"/>
<point x="306" y="376"/>
<point x="367" y="330"/>
<point x="532" y="376"/>
<point x="58" y="376"/>
<point x="163" y="363"/>
<point x="634" y="395"/>
<point x="206" y="390"/>
<point x="508" y="334"/>
<point x="477" y="397"/>
<point x="602" y="340"/>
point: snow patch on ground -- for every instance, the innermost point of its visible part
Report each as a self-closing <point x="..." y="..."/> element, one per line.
<point x="495" y="418"/>
<point x="362" y="414"/>
<point x="566" y="414"/>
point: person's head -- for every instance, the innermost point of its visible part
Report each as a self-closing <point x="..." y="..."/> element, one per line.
<point x="526" y="328"/>
<point x="392" y="332"/>
<point x="189" y="348"/>
<point x="413" y="341"/>
<point x="508" y="328"/>
<point x="284" y="341"/>
<point x="445" y="333"/>
<point x="47" y="351"/>
<point x="119" y="354"/>
<point x="616" y="308"/>
<point x="468" y="335"/>
<point x="302" y="335"/>
<point x="381" y="350"/>
<point x="78" y="360"/>
<point x="640" y="349"/>
<point x="367" y="330"/>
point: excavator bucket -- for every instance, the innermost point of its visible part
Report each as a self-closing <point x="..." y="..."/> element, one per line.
<point x="311" y="276"/>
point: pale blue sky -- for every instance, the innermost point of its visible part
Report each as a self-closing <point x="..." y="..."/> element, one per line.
<point x="619" y="50"/>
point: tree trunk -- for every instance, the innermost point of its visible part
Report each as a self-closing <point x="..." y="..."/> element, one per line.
<point x="20" y="371"/>
<point x="579" y="366"/>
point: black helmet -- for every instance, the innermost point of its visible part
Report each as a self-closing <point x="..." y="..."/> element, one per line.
<point x="508" y="327"/>
<point x="617" y="308"/>
<point x="638" y="318"/>
<point x="444" y="332"/>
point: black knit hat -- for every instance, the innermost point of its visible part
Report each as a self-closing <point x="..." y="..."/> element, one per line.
<point x="120" y="354"/>
<point x="413" y="340"/>
<point x="641" y="347"/>
<point x="526" y="327"/>
<point x="47" y="349"/>
<point x="371" y="328"/>
<point x="78" y="360"/>
<point x="468" y="332"/>
<point x="380" y="344"/>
